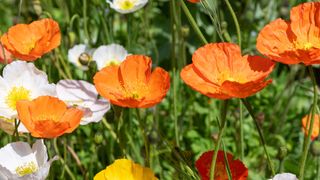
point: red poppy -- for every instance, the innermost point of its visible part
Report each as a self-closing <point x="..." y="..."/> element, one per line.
<point x="220" y="71"/>
<point x="237" y="168"/>
<point x="295" y="41"/>
<point x="132" y="84"/>
<point x="30" y="41"/>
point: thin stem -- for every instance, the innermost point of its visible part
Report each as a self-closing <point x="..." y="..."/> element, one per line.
<point x="250" y="110"/>
<point x="85" y="20"/>
<point x="222" y="128"/>
<point x="176" y="127"/>
<point x="66" y="167"/>
<point x="314" y="109"/>
<point x="241" y="131"/>
<point x="236" y="22"/>
<point x="144" y="134"/>
<point x="193" y="22"/>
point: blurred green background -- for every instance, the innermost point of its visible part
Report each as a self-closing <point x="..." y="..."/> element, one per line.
<point x="170" y="42"/>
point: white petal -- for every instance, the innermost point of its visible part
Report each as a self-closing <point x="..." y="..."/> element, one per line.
<point x="138" y="4"/>
<point x="76" y="91"/>
<point x="98" y="108"/>
<point x="40" y="152"/>
<point x="16" y="154"/>
<point x="43" y="172"/>
<point x="106" y="53"/>
<point x="285" y="176"/>
<point x="75" y="52"/>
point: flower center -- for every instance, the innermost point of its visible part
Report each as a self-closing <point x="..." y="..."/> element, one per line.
<point x="136" y="90"/>
<point x="303" y="45"/>
<point x="27" y="168"/>
<point x="16" y="94"/>
<point x="127" y="4"/>
<point x="113" y="62"/>
<point x="84" y="59"/>
<point x="47" y="117"/>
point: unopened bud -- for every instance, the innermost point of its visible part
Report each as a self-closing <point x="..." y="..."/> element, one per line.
<point x="315" y="148"/>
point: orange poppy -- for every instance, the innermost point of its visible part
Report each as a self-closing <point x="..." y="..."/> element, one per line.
<point x="48" y="117"/>
<point x="30" y="41"/>
<point x="194" y="1"/>
<point x="218" y="70"/>
<point x="316" y="126"/>
<point x="132" y="84"/>
<point x="237" y="168"/>
<point x="295" y="41"/>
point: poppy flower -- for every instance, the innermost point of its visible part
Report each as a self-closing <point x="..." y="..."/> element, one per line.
<point x="30" y="41"/>
<point x="48" y="117"/>
<point x="237" y="168"/>
<point x="107" y="55"/>
<point x="315" y="131"/>
<point x="20" y="81"/>
<point x="194" y="1"/>
<point x="218" y="70"/>
<point x="125" y="169"/>
<point x="127" y="6"/>
<point x="295" y="41"/>
<point x="84" y="96"/>
<point x="19" y="161"/>
<point x="132" y="84"/>
<point x="5" y="56"/>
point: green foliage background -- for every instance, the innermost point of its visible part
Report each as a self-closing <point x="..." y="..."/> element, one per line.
<point x="91" y="148"/>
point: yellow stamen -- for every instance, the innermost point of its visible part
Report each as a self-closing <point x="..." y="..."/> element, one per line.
<point x="127" y="4"/>
<point x="16" y="94"/>
<point x="112" y="63"/>
<point x="303" y="46"/>
<point x="27" y="168"/>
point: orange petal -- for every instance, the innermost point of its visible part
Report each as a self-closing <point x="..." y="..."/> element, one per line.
<point x="315" y="131"/>
<point x="305" y="22"/>
<point x="49" y="129"/>
<point x="45" y="106"/>
<point x="73" y="117"/>
<point x="239" y="90"/>
<point x="158" y="85"/>
<point x="215" y="59"/>
<point x="24" y="114"/>
<point x="275" y="41"/>
<point x="135" y="70"/>
<point x="108" y="85"/>
<point x="191" y="77"/>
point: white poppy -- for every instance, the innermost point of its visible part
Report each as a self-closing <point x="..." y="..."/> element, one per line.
<point x="19" y="161"/>
<point x="21" y="81"/>
<point x="285" y="176"/>
<point x="80" y="55"/>
<point x="127" y="6"/>
<point x="85" y="96"/>
<point x="106" y="55"/>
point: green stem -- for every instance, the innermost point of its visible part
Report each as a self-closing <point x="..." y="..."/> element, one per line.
<point x="241" y="131"/>
<point x="176" y="127"/>
<point x="236" y="22"/>
<point x="85" y="24"/>
<point x="250" y="110"/>
<point x="66" y="167"/>
<point x="222" y="128"/>
<point x="314" y="109"/>
<point x="144" y="134"/>
<point x="193" y="22"/>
